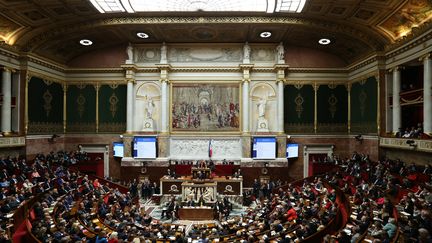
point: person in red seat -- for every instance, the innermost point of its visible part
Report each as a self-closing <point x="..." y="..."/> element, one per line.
<point x="96" y="184"/>
<point x="291" y="213"/>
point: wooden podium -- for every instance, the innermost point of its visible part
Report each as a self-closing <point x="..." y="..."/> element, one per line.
<point x="196" y="213"/>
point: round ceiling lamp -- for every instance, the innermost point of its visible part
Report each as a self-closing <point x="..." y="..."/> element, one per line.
<point x="265" y="34"/>
<point x="142" y="35"/>
<point x="86" y="42"/>
<point x="324" y="41"/>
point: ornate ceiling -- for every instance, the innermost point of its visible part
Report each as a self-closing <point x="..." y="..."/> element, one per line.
<point x="357" y="28"/>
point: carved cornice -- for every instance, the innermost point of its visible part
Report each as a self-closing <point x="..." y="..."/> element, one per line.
<point x="31" y="74"/>
<point x="363" y="78"/>
<point x="363" y="63"/>
<point x="318" y="70"/>
<point x="94" y="70"/>
<point x="205" y="69"/>
<point x="310" y="82"/>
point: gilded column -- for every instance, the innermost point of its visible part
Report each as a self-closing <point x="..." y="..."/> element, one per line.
<point x="26" y="118"/>
<point x="129" y="105"/>
<point x="315" y="87"/>
<point x="65" y="87"/>
<point x="348" y="87"/>
<point x="164" y="71"/>
<point x="397" y="117"/>
<point x="427" y="94"/>
<point x="97" y="86"/>
<point x="245" y="106"/>
<point x="246" y="68"/>
<point x="6" y="108"/>
<point x="280" y="106"/>
<point x="164" y="109"/>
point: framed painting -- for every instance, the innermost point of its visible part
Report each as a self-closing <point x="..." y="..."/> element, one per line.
<point x="205" y="107"/>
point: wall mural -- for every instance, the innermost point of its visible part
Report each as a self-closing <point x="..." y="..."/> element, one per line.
<point x="411" y="14"/>
<point x="205" y="107"/>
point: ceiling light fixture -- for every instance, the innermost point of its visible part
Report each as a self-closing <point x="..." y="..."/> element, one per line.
<point x="86" y="42"/>
<point x="142" y="35"/>
<point x="324" y="41"/>
<point x="265" y="34"/>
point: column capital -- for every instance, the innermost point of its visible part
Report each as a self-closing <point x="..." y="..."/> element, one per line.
<point x="164" y="80"/>
<point x="9" y="69"/>
<point x="130" y="80"/>
<point x="348" y="86"/>
<point x="246" y="80"/>
<point x="315" y="86"/>
<point x="281" y="80"/>
<point x="425" y="57"/>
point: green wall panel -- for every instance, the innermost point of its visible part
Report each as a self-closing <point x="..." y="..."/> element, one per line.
<point x="299" y="109"/>
<point x="81" y="108"/>
<point x="112" y="108"/>
<point x="332" y="110"/>
<point x="364" y="106"/>
<point x="45" y="107"/>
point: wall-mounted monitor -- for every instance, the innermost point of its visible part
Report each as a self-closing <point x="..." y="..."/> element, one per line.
<point x="118" y="149"/>
<point x="144" y="147"/>
<point x="264" y="148"/>
<point x="292" y="150"/>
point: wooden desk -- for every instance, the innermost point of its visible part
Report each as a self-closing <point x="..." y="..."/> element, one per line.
<point x="187" y="213"/>
<point x="224" y="186"/>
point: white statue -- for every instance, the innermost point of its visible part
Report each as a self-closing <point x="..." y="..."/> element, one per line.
<point x="163" y="53"/>
<point x="208" y="194"/>
<point x="246" y="53"/>
<point x="280" y="53"/>
<point x="261" y="107"/>
<point x="129" y="51"/>
<point x="149" y="105"/>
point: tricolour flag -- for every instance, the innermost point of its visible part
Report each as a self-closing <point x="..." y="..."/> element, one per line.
<point x="210" y="149"/>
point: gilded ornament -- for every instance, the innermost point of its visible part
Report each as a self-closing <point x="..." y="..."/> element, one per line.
<point x="332" y="101"/>
<point x="81" y="100"/>
<point x="362" y="99"/>
<point x="299" y="105"/>
<point x="47" y="99"/>
<point x="113" y="100"/>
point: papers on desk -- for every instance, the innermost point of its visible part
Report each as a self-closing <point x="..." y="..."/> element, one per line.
<point x="347" y="231"/>
<point x="9" y="215"/>
<point x="367" y="240"/>
<point x="405" y="213"/>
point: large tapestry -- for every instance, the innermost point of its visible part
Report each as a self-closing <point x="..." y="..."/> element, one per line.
<point x="205" y="107"/>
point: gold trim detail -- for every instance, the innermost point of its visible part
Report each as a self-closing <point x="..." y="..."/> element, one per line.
<point x="332" y="101"/>
<point x="81" y="100"/>
<point x="299" y="100"/>
<point x="47" y="97"/>
<point x="113" y="100"/>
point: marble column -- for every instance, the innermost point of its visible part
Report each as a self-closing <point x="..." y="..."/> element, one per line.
<point x="129" y="106"/>
<point x="397" y="112"/>
<point x="427" y="94"/>
<point x="164" y="110"/>
<point x="245" y="106"/>
<point x="6" y="108"/>
<point x="280" y="106"/>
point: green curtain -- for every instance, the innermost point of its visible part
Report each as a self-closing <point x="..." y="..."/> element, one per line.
<point x="81" y="109"/>
<point x="332" y="109"/>
<point x="299" y="109"/>
<point x="45" y="107"/>
<point x="364" y="106"/>
<point x="112" y="108"/>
